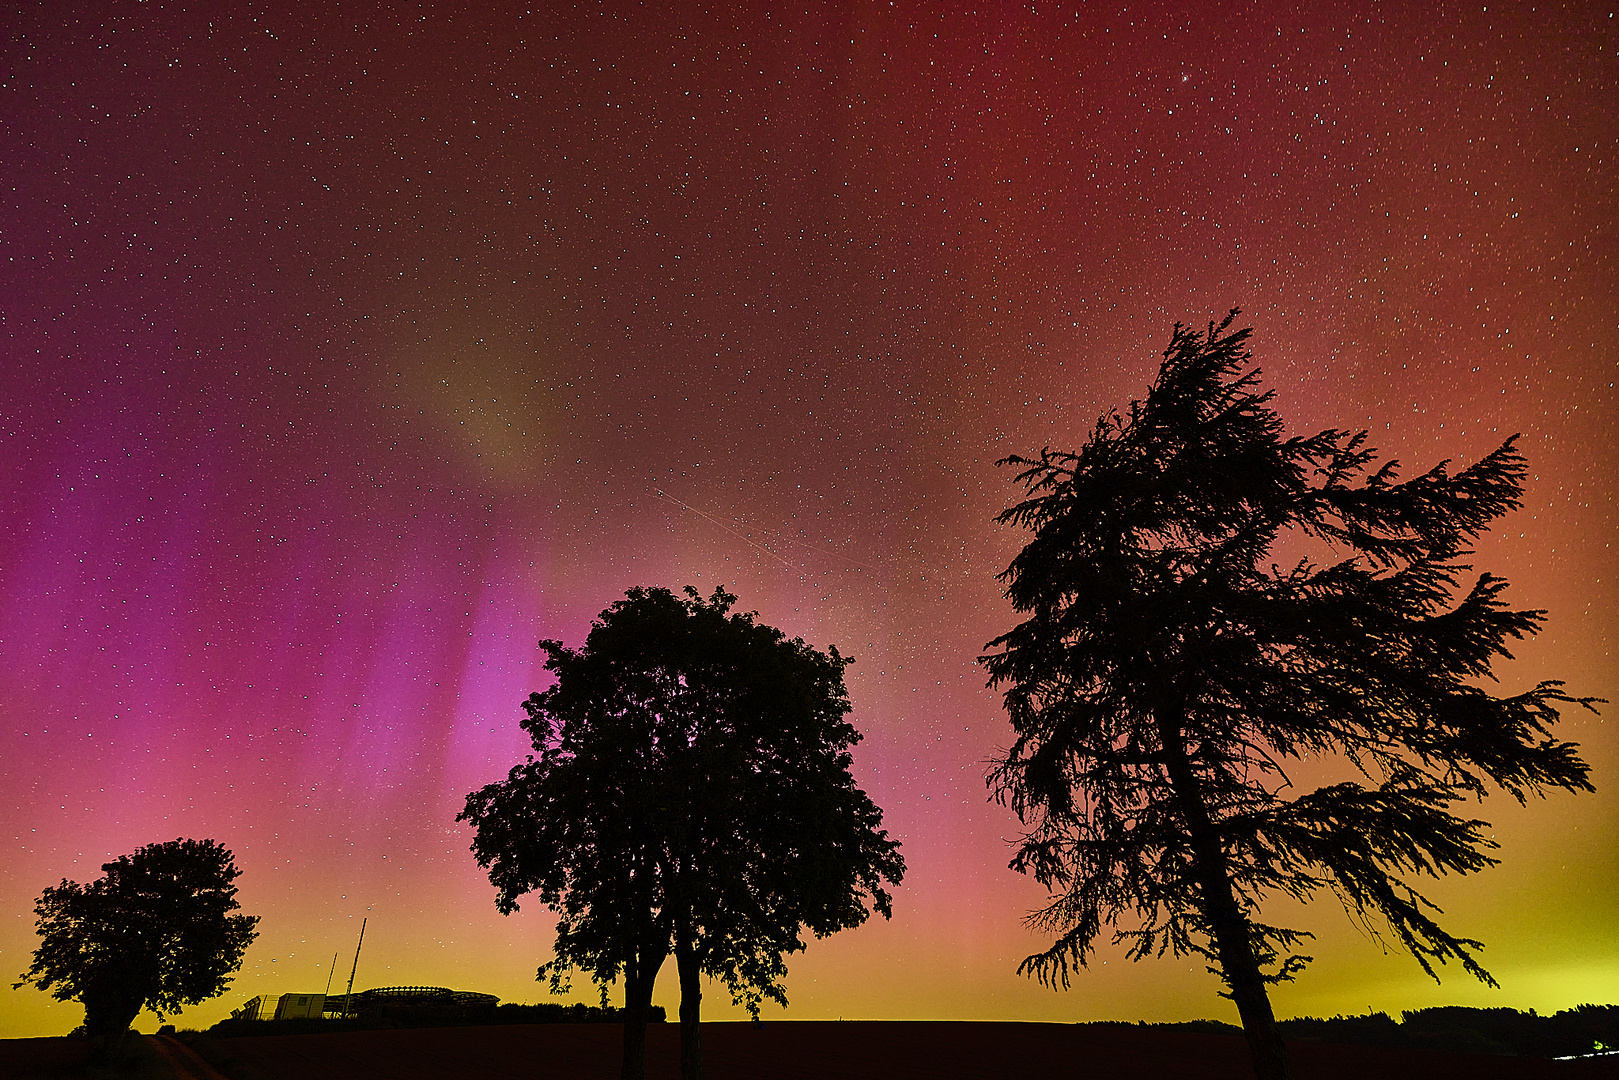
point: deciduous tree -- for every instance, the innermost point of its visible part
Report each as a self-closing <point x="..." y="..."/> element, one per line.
<point x="1168" y="673"/>
<point x="689" y="793"/>
<point x="156" y="931"/>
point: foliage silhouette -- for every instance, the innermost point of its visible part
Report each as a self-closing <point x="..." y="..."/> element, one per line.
<point x="689" y="793"/>
<point x="156" y="931"/>
<point x="1166" y="672"/>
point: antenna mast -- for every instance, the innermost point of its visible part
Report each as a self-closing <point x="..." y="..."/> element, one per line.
<point x="332" y="971"/>
<point x="350" y="994"/>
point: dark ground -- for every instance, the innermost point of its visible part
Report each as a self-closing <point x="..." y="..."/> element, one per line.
<point x="800" y="1050"/>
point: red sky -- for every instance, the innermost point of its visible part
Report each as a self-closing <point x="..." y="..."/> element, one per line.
<point x="349" y="354"/>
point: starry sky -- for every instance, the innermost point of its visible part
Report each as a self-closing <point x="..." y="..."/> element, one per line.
<point x="348" y="353"/>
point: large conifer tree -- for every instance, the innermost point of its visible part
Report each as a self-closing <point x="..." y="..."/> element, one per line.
<point x="1167" y="672"/>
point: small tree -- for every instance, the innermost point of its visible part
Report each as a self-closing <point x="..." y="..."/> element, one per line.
<point x="1168" y="670"/>
<point x="690" y="793"/>
<point x="156" y="931"/>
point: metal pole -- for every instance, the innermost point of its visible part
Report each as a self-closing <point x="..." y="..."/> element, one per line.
<point x="329" y="973"/>
<point x="350" y="994"/>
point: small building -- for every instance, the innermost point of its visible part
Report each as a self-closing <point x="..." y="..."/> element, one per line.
<point x="282" y="1007"/>
<point x="300" y="1007"/>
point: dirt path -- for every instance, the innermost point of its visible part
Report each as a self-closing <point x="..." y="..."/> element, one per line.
<point x="184" y="1062"/>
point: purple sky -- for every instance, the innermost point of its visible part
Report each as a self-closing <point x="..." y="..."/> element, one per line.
<point x="346" y="355"/>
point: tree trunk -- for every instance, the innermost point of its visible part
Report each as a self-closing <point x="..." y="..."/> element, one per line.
<point x="1234" y="946"/>
<point x="637" y="1002"/>
<point x="1232" y="932"/>
<point x="107" y="1016"/>
<point x="639" y="976"/>
<point x="691" y="1004"/>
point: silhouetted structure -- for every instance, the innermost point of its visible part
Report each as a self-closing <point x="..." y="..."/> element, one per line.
<point x="421" y="1004"/>
<point x="155" y="931"/>
<point x="1167" y="670"/>
<point x="413" y="1007"/>
<point x="690" y="792"/>
<point x="282" y="1007"/>
<point x="416" y="1004"/>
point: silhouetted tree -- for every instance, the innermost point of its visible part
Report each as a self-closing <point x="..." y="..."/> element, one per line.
<point x="689" y="793"/>
<point x="1167" y="671"/>
<point x="156" y="931"/>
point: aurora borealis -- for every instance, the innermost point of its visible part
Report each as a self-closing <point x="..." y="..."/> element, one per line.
<point x="347" y="354"/>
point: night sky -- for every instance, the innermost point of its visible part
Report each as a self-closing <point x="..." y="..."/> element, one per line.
<point x="346" y="355"/>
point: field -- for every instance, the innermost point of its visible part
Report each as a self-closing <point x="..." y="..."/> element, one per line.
<point x="801" y="1050"/>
